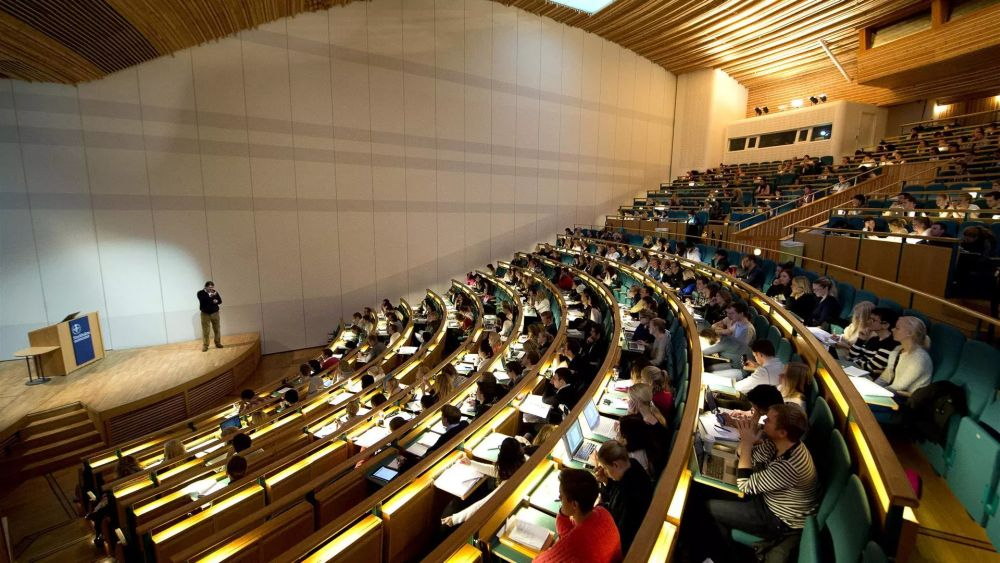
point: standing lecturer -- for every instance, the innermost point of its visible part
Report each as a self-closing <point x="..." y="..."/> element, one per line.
<point x="209" y="301"/>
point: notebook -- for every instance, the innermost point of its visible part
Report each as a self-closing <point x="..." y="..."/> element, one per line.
<point x="458" y="480"/>
<point x="535" y="406"/>
<point x="528" y="534"/>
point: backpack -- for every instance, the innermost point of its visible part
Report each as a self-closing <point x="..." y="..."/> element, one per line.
<point x="930" y="409"/>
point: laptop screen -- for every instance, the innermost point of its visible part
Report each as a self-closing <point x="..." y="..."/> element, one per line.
<point x="233" y="422"/>
<point x="710" y="404"/>
<point x="593" y="417"/>
<point x="574" y="438"/>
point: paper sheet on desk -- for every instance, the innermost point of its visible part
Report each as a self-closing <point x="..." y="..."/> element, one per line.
<point x="716" y="431"/>
<point x="458" y="480"/>
<point x="716" y="381"/>
<point x="855" y="371"/>
<point x="619" y="404"/>
<point x="866" y="386"/>
<point x="407" y="350"/>
<point x="623" y="385"/>
<point x="370" y="436"/>
<point x="534" y="405"/>
<point x="821" y="335"/>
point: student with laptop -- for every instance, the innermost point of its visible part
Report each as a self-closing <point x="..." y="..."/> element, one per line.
<point x="626" y="489"/>
<point x="586" y="532"/>
<point x="777" y="475"/>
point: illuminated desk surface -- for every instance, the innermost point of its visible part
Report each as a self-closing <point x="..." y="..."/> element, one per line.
<point x="509" y="550"/>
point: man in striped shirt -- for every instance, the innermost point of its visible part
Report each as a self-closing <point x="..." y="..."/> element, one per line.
<point x="872" y="355"/>
<point x="777" y="475"/>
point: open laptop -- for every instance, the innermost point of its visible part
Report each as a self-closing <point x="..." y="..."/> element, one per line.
<point x="577" y="446"/>
<point x="600" y="425"/>
<point x="231" y="422"/>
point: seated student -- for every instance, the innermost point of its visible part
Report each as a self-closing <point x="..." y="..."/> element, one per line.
<point x="173" y="449"/>
<point x="720" y="260"/>
<point x="777" y="475"/>
<point x="236" y="468"/>
<point x="250" y="405"/>
<point x="586" y="532"/>
<point x="367" y="380"/>
<point x="377" y="400"/>
<point x="290" y="398"/>
<point x="766" y="367"/>
<point x="510" y="458"/>
<point x="375" y="347"/>
<point x="626" y="489"/>
<point x="752" y="273"/>
<point x="659" y="383"/>
<point x="827" y="308"/>
<point x="328" y="361"/>
<point x="859" y="327"/>
<point x="760" y="398"/>
<point x="573" y="357"/>
<point x="395" y="332"/>
<point x="560" y="390"/>
<point x="718" y="301"/>
<point x="872" y="354"/>
<point x="643" y="332"/>
<point x="635" y="435"/>
<point x="909" y="366"/>
<point x="487" y="394"/>
<point x="801" y="300"/>
<point x="641" y="407"/>
<point x="531" y="440"/>
<point x="451" y="419"/>
<point x="660" y="349"/>
<point x="735" y="333"/>
<point x="549" y="323"/>
<point x="792" y="383"/>
<point x="781" y="286"/>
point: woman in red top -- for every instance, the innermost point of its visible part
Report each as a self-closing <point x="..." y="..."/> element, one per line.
<point x="586" y="533"/>
<point x="663" y="396"/>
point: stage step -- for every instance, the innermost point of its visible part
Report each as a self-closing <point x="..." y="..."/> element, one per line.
<point x="58" y="461"/>
<point x="55" y="421"/>
<point x="41" y="415"/>
<point x="40" y="438"/>
<point x="53" y="449"/>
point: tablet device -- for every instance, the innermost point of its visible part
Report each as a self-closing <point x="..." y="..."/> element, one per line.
<point x="385" y="474"/>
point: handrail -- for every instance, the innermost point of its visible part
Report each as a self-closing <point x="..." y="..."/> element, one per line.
<point x="905" y="126"/>
<point x="892" y="487"/>
<point x="877" y="236"/>
<point x="827" y="266"/>
<point x="890" y="212"/>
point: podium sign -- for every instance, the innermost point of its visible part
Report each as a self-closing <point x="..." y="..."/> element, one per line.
<point x="83" y="343"/>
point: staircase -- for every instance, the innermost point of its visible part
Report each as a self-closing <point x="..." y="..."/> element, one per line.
<point x="50" y="440"/>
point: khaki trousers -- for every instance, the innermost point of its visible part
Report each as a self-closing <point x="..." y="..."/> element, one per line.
<point x="214" y="320"/>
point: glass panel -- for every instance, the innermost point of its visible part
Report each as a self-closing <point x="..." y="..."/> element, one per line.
<point x="737" y="144"/>
<point x="822" y="132"/>
<point x="778" y="139"/>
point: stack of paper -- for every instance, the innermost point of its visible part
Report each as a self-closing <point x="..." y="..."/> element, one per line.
<point x="855" y="371"/>
<point x="622" y="385"/>
<point x="458" y="480"/>
<point x="407" y="350"/>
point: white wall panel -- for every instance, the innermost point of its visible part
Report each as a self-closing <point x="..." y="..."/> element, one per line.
<point x="22" y="303"/>
<point x="315" y="165"/>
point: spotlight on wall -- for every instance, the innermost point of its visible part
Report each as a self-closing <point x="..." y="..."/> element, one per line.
<point x="765" y="110"/>
<point x="796" y="103"/>
<point x="814" y="100"/>
<point x="822" y="98"/>
<point x="756" y="252"/>
<point x="758" y="111"/>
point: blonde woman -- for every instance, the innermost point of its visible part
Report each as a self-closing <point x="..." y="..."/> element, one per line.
<point x="910" y="366"/>
<point x="792" y="383"/>
<point x="173" y="449"/>
<point x="640" y="403"/>
<point x="801" y="300"/>
<point x="663" y="396"/>
<point x="860" y="327"/>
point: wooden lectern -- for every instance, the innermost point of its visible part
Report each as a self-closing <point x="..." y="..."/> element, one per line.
<point x="64" y="360"/>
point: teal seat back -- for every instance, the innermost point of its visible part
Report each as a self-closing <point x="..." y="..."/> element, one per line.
<point x="873" y="554"/>
<point x="773" y="336"/>
<point x="973" y="471"/>
<point x="991" y="416"/>
<point x="784" y="350"/>
<point x="833" y="464"/>
<point x="809" y="543"/>
<point x="946" y="349"/>
<point x="845" y="293"/>
<point x="978" y="373"/>
<point x="820" y="425"/>
<point x="760" y="326"/>
<point x="850" y="522"/>
<point x="865" y="295"/>
<point x="890" y="304"/>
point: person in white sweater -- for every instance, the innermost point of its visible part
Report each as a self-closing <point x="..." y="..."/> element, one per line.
<point x="510" y="458"/>
<point x="910" y="366"/>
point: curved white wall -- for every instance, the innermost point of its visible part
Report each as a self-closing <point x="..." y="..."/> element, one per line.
<point x="314" y="165"/>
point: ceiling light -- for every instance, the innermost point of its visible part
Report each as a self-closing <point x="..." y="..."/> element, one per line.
<point x="588" y="6"/>
<point x="796" y="103"/>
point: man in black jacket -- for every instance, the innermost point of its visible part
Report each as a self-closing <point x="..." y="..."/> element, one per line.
<point x="625" y="487"/>
<point x="209" y="301"/>
<point x="451" y="418"/>
<point x="560" y="390"/>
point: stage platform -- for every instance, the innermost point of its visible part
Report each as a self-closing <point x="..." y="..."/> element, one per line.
<point x="158" y="381"/>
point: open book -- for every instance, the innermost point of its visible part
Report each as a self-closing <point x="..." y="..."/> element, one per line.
<point x="534" y="405"/>
<point x="528" y="534"/>
<point x="458" y="480"/>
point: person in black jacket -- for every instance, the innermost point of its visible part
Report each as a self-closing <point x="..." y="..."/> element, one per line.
<point x="560" y="390"/>
<point x="752" y="273"/>
<point x="625" y="487"/>
<point x="208" y="302"/>
<point x="451" y="418"/>
<point x="827" y="308"/>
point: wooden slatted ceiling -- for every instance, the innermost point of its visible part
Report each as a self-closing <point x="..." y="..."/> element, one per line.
<point x="79" y="40"/>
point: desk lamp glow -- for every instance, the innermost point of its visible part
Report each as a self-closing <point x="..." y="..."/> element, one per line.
<point x="588" y="6"/>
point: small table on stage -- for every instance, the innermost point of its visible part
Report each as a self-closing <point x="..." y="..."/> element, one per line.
<point x="33" y="355"/>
